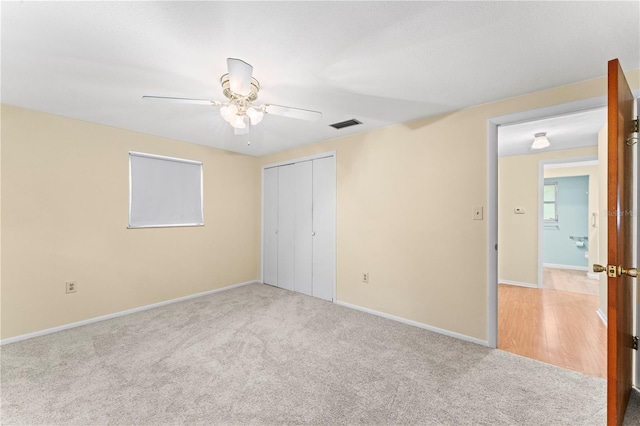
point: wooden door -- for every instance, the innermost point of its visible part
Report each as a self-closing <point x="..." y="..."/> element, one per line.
<point x="286" y="227"/>
<point x="620" y="244"/>
<point x="270" y="230"/>
<point x="324" y="227"/>
<point x="303" y="228"/>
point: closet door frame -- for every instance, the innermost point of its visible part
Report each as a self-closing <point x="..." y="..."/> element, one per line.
<point x="331" y="154"/>
<point x="270" y="225"/>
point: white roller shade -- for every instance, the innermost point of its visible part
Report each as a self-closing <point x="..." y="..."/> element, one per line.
<point x="164" y="191"/>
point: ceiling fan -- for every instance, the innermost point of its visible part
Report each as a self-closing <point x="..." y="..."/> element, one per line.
<point x="241" y="90"/>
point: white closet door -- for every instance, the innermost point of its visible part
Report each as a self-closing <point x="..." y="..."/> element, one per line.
<point x="270" y="231"/>
<point x="286" y="227"/>
<point x="324" y="227"/>
<point x="303" y="227"/>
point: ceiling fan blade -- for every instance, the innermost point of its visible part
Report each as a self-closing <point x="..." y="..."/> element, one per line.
<point x="182" y="100"/>
<point x="240" y="74"/>
<point x="302" y="114"/>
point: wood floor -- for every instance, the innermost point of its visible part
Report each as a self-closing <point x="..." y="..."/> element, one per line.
<point x="553" y="326"/>
<point x="568" y="280"/>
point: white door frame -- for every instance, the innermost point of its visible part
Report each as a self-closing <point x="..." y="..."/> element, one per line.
<point x="636" y="247"/>
<point x="492" y="194"/>
<point x="326" y="154"/>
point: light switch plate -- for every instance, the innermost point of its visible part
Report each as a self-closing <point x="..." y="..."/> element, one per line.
<point x="519" y="210"/>
<point x="477" y="213"/>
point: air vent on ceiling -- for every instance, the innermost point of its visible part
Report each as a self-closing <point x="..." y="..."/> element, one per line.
<point x="344" y="124"/>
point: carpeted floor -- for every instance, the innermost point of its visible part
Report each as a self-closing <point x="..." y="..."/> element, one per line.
<point x="261" y="355"/>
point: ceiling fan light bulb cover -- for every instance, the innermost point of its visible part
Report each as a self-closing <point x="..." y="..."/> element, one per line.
<point x="255" y="115"/>
<point x="238" y="122"/>
<point x="229" y="111"/>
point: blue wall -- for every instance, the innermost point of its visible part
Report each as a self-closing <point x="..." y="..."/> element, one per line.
<point x="573" y="220"/>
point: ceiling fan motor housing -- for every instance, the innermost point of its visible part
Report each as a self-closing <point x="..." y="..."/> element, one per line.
<point x="226" y="89"/>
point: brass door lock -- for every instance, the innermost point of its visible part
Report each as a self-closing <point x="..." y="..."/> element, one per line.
<point x="615" y="271"/>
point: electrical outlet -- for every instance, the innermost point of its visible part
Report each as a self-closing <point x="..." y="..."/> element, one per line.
<point x="72" y="286"/>
<point x="365" y="277"/>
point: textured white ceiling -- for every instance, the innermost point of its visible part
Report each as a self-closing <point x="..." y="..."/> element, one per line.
<point x="380" y="62"/>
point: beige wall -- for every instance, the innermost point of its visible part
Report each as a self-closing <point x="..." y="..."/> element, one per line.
<point x="404" y="200"/>
<point x="65" y="216"/>
<point x="404" y="217"/>
<point x="593" y="247"/>
<point x="518" y="182"/>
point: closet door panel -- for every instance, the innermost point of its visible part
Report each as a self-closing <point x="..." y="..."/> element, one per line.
<point x="303" y="227"/>
<point x="270" y="236"/>
<point x="286" y="227"/>
<point x="324" y="227"/>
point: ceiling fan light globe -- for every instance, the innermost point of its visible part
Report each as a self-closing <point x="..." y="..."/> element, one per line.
<point x="255" y="121"/>
<point x="238" y="122"/>
<point x="255" y="115"/>
<point x="228" y="112"/>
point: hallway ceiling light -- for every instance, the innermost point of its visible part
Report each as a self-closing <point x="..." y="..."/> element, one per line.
<point x="540" y="141"/>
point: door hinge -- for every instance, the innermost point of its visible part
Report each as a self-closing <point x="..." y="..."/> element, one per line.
<point x="633" y="137"/>
<point x="635" y="342"/>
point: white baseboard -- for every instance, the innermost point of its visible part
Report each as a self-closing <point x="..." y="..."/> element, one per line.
<point x="602" y="316"/>
<point x="119" y="314"/>
<point x="593" y="276"/>
<point x="573" y="268"/>
<point x="518" y="283"/>
<point x="415" y="324"/>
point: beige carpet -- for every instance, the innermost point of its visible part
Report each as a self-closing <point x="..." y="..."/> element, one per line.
<point x="261" y="355"/>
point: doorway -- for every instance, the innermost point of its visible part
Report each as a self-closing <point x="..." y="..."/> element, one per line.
<point x="540" y="318"/>
<point x="621" y="226"/>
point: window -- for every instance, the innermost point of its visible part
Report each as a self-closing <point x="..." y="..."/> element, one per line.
<point x="164" y="191"/>
<point x="550" y="206"/>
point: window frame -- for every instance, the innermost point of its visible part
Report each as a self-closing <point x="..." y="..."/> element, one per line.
<point x="175" y="160"/>
<point x="554" y="202"/>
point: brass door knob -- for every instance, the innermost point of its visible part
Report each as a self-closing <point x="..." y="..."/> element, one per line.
<point x="599" y="268"/>
<point x="632" y="272"/>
